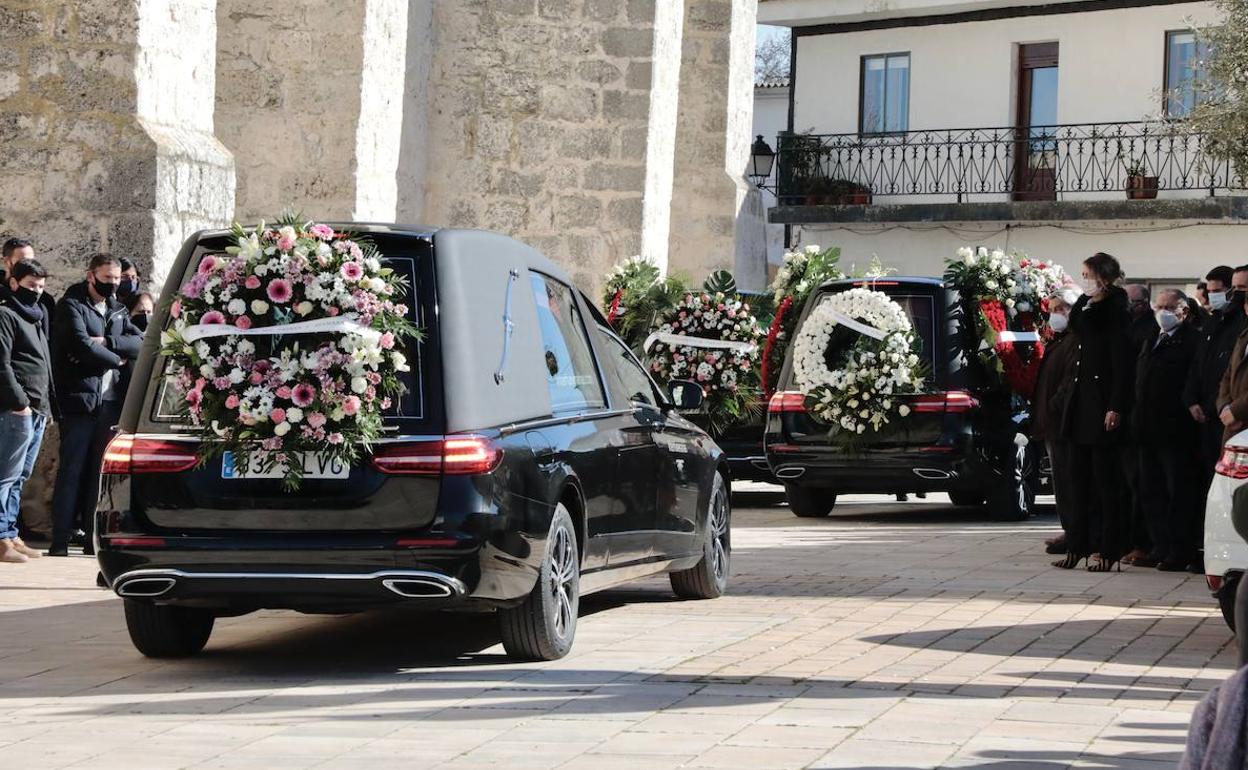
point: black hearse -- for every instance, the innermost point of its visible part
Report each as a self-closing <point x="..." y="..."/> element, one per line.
<point x="964" y="435"/>
<point x="503" y="483"/>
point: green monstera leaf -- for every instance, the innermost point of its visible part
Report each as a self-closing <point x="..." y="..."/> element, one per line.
<point x="721" y="281"/>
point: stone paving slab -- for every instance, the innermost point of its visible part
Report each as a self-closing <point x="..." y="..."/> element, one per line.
<point x="886" y="636"/>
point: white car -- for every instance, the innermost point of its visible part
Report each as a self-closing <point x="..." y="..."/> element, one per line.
<point x="1226" y="553"/>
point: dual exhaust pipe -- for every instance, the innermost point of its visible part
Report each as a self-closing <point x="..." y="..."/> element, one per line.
<point x="409" y="584"/>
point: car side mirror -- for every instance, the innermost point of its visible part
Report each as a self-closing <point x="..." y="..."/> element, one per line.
<point x="685" y="395"/>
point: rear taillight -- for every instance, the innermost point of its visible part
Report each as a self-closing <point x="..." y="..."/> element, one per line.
<point x="1214" y="582"/>
<point x="1234" y="462"/>
<point x="135" y="542"/>
<point x="127" y="454"/>
<point x="955" y="401"/>
<point x="787" y="401"/>
<point x="453" y="455"/>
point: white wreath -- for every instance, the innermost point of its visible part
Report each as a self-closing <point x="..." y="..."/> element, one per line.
<point x="863" y="393"/>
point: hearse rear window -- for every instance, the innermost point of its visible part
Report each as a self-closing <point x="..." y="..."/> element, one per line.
<point x="410" y="405"/>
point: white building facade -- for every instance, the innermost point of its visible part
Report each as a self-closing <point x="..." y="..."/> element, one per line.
<point x="1052" y="128"/>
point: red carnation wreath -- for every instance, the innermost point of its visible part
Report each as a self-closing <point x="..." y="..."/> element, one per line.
<point x="1020" y="367"/>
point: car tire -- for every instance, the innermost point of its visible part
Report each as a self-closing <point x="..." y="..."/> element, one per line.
<point x="164" y="631"/>
<point x="966" y="497"/>
<point x="808" y="502"/>
<point x="543" y="626"/>
<point x="1226" y="599"/>
<point x="708" y="579"/>
<point x="1014" y="498"/>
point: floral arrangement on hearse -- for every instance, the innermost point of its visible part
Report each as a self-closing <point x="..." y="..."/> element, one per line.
<point x="801" y="272"/>
<point x="855" y="361"/>
<point x="1006" y="293"/>
<point x="712" y="338"/>
<point x="289" y="345"/>
<point x="635" y="296"/>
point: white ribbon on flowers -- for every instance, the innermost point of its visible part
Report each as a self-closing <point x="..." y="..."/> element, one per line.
<point x="685" y="341"/>
<point x="319" y="326"/>
<point x="1008" y="336"/>
<point x="858" y="326"/>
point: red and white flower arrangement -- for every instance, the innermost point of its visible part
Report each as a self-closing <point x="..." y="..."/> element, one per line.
<point x="712" y="339"/>
<point x="289" y="344"/>
<point x="1007" y="292"/>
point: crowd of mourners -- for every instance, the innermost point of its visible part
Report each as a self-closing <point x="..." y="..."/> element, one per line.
<point x="67" y="360"/>
<point x="1134" y="401"/>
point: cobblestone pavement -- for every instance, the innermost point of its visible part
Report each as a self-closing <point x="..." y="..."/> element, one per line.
<point x="888" y="636"/>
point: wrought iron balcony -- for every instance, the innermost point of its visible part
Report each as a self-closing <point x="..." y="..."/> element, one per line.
<point x="1085" y="161"/>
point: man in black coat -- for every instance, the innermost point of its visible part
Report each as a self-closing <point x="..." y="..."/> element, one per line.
<point x="26" y="396"/>
<point x="1200" y="393"/>
<point x="1166" y="434"/>
<point x="1142" y="331"/>
<point x="94" y="345"/>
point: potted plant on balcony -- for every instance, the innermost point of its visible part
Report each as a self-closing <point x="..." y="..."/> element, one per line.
<point x="801" y="178"/>
<point x="846" y="192"/>
<point x="1139" y="186"/>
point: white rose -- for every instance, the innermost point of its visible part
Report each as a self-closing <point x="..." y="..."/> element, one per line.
<point x="281" y="429"/>
<point x="303" y="308"/>
<point x="207" y="371"/>
<point x="903" y="410"/>
<point x="236" y="307"/>
<point x="359" y="384"/>
<point x="294" y="415"/>
<point x="259" y="306"/>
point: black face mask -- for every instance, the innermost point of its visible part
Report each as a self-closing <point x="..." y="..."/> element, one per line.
<point x="105" y="289"/>
<point x="128" y="287"/>
<point x="28" y="297"/>
<point x="140" y="321"/>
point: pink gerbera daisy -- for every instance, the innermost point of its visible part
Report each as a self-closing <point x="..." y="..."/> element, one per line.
<point x="207" y="265"/>
<point x="213" y="317"/>
<point x="352" y="271"/>
<point x="279" y="290"/>
<point x="303" y="394"/>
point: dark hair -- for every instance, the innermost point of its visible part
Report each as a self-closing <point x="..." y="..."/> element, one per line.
<point x="127" y="264"/>
<point x="28" y="267"/>
<point x="1240" y="269"/>
<point x="1222" y="274"/>
<point x="1195" y="313"/>
<point x="100" y="260"/>
<point x="132" y="301"/>
<point x="13" y="244"/>
<point x="1105" y="267"/>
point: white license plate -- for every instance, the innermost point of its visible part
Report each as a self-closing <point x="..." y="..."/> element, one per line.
<point x="314" y="467"/>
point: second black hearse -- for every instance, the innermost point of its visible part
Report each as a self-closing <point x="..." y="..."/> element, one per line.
<point x="962" y="436"/>
<point x="502" y="484"/>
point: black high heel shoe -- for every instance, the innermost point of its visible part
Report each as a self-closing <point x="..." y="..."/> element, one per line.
<point x="1098" y="563"/>
<point x="1069" y="562"/>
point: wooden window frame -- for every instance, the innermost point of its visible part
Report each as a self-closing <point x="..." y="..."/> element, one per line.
<point x="862" y="90"/>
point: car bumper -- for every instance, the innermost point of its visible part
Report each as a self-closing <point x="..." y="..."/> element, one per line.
<point x="177" y="585"/>
<point x="894" y="472"/>
<point x="1225" y="551"/>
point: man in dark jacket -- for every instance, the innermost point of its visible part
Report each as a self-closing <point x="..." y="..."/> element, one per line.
<point x="15" y="250"/>
<point x="1166" y="436"/>
<point x="1213" y="354"/>
<point x="1142" y="331"/>
<point x="93" y="346"/>
<point x="1053" y="383"/>
<point x="26" y="396"/>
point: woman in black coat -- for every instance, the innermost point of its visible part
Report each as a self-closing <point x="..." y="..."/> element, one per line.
<point x="1094" y="415"/>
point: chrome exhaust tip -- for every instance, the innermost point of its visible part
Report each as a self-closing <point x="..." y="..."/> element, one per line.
<point x="932" y="474"/>
<point x="146" y="587"/>
<point x="790" y="473"/>
<point x="419" y="587"/>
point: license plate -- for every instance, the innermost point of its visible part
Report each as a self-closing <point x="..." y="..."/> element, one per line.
<point x="314" y="467"/>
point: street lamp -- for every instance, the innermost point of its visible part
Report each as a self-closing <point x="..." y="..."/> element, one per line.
<point x="762" y="160"/>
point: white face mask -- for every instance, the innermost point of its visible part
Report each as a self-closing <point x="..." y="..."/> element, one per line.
<point x="1091" y="287"/>
<point x="1167" y="320"/>
<point x="1217" y="300"/>
<point x="1058" y="322"/>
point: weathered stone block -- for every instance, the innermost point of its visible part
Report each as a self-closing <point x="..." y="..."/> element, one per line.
<point x="563" y="102"/>
<point x="555" y="9"/>
<point x="20" y="23"/>
<point x="625" y="213"/>
<point x="639" y="75"/>
<point x="604" y="11"/>
<point x="577" y="211"/>
<point x="627" y="42"/>
<point x="625" y="105"/>
<point x="641" y="11"/>
<point x="600" y="72"/>
<point x="604" y="176"/>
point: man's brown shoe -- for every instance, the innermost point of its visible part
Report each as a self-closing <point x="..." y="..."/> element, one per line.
<point x="10" y="554"/>
<point x="27" y="551"/>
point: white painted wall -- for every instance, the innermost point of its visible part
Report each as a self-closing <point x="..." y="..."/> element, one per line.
<point x="1147" y="250"/>
<point x="771" y="116"/>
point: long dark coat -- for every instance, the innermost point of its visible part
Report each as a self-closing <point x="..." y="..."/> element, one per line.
<point x="1103" y="375"/>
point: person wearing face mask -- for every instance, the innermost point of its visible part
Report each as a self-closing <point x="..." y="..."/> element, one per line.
<point x="15" y="250"/>
<point x="1166" y="436"/>
<point x="1216" y="339"/>
<point x="130" y="282"/>
<point x="26" y="396"/>
<point x="141" y="307"/>
<point x="93" y="345"/>
<point x="1053" y="382"/>
<point x="1143" y="331"/>
<point x="1092" y="417"/>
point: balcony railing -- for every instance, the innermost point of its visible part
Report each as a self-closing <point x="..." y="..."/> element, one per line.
<point x="1029" y="164"/>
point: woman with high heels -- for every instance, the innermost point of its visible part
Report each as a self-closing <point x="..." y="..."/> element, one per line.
<point x="1094" y="417"/>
